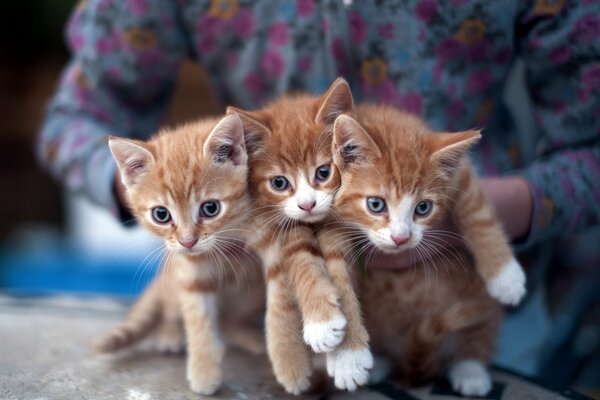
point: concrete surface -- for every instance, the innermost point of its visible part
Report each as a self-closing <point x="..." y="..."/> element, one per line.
<point x="45" y="354"/>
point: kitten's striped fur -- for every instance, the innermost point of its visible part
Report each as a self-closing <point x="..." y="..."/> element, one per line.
<point x="291" y="138"/>
<point x="181" y="171"/>
<point x="436" y="314"/>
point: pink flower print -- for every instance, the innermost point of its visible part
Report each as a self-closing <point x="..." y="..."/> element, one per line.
<point x="452" y="89"/>
<point x="244" y="23"/>
<point x="231" y="58"/>
<point x="138" y="7"/>
<point x="560" y="55"/>
<point x="305" y="7"/>
<point x="437" y="73"/>
<point x="279" y="34"/>
<point x="448" y="49"/>
<point x="103" y="5"/>
<point x="305" y="63"/>
<point x="387" y="93"/>
<point x="411" y="102"/>
<point x="325" y="25"/>
<point x="479" y="81"/>
<point x="559" y="108"/>
<point x="207" y="44"/>
<point x="386" y="31"/>
<point x="337" y="48"/>
<point x="107" y="44"/>
<point x="503" y="56"/>
<point x="535" y="43"/>
<point x="583" y="95"/>
<point x="480" y="50"/>
<point x="591" y="76"/>
<point x="456" y="108"/>
<point x="358" y="28"/>
<point x="151" y="57"/>
<point x="254" y="82"/>
<point x="587" y="29"/>
<point x="167" y="21"/>
<point x="426" y="10"/>
<point x="77" y="41"/>
<point x="272" y="63"/>
<point x="114" y="73"/>
<point x="210" y="27"/>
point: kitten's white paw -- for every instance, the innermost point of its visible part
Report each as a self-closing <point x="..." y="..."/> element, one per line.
<point x="349" y="368"/>
<point x="294" y="386"/>
<point x="470" y="378"/>
<point x="204" y="380"/>
<point x="168" y="344"/>
<point x="325" y="336"/>
<point x="206" y="385"/>
<point x="508" y="287"/>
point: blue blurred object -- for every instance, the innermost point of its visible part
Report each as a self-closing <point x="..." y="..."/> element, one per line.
<point x="65" y="269"/>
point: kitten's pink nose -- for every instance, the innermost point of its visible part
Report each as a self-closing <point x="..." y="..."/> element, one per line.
<point x="400" y="239"/>
<point x="188" y="243"/>
<point x="307" y="206"/>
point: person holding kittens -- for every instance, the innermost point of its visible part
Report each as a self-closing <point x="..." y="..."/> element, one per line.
<point x="445" y="61"/>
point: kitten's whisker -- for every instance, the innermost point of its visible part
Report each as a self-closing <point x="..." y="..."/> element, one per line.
<point x="141" y="268"/>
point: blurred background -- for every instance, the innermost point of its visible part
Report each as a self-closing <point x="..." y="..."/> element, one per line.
<point x="54" y="242"/>
<point x="50" y="240"/>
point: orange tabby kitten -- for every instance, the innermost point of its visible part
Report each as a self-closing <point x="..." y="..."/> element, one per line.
<point x="401" y="184"/>
<point x="293" y="181"/>
<point x="292" y="185"/>
<point x="189" y="186"/>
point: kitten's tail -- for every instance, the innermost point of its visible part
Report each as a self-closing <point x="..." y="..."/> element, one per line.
<point x="142" y="318"/>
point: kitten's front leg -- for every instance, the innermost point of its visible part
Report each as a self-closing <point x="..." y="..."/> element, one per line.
<point x="288" y="353"/>
<point x="318" y="298"/>
<point x="198" y="299"/>
<point x="486" y="240"/>
<point x="349" y="364"/>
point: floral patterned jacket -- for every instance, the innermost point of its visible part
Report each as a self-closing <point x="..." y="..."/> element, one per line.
<point x="445" y="60"/>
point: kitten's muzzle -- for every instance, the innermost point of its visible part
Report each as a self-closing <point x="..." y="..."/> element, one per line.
<point x="188" y="243"/>
<point x="400" y="239"/>
<point x="307" y="206"/>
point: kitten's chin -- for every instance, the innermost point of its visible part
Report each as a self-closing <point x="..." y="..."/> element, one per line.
<point x="189" y="252"/>
<point x="309" y="218"/>
<point x="312" y="218"/>
<point x="392" y="249"/>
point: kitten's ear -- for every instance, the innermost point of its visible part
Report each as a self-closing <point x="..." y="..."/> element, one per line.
<point x="133" y="158"/>
<point x="447" y="149"/>
<point x="351" y="143"/>
<point x="336" y="101"/>
<point x="254" y="128"/>
<point x="226" y="141"/>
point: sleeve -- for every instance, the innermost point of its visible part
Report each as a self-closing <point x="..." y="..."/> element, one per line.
<point x="560" y="45"/>
<point x="126" y="56"/>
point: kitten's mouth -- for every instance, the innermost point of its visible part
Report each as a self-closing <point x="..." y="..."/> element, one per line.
<point x="189" y="252"/>
<point x="313" y="216"/>
<point x="395" y="249"/>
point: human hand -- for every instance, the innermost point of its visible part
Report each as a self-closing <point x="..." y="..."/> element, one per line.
<point x="512" y="201"/>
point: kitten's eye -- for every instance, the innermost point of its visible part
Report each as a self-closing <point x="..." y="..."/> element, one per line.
<point x="280" y="183"/>
<point x="210" y="208"/>
<point x="376" y="205"/>
<point x="323" y="173"/>
<point x="423" y="208"/>
<point x="161" y="215"/>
